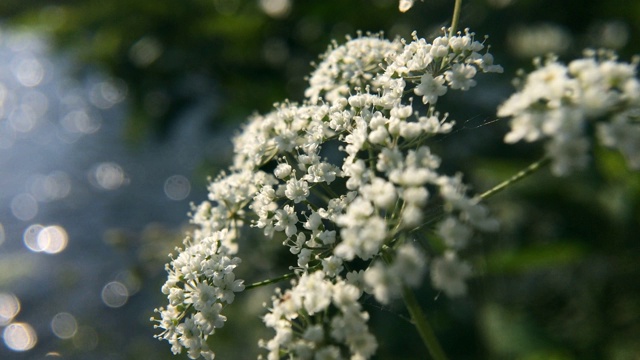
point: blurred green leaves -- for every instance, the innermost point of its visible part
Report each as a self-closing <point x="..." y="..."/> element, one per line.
<point x="534" y="258"/>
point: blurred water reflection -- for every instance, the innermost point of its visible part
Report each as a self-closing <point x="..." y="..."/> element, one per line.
<point x="177" y="187"/>
<point x="64" y="325"/>
<point x="19" y="336"/>
<point x="78" y="208"/>
<point x="9" y="308"/>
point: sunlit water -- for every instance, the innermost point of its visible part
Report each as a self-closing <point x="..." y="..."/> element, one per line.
<point x="66" y="181"/>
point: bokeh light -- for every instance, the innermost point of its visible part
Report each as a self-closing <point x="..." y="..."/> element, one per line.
<point x="177" y="187"/>
<point x="30" y="237"/>
<point x="612" y="34"/>
<point x="28" y="71"/>
<point x="36" y="101"/>
<point x="7" y="134"/>
<point x="276" y="8"/>
<point x="129" y="279"/>
<point x="537" y="40"/>
<point x="9" y="308"/>
<point x="106" y="94"/>
<point x="80" y="122"/>
<point x="24" y="207"/>
<point x="19" y="337"/>
<point x="2" y="234"/>
<point x="145" y="51"/>
<point x="107" y="176"/>
<point x="3" y="96"/>
<point x="52" y="239"/>
<point x="64" y="325"/>
<point x="115" y="294"/>
<point x="54" y="186"/>
<point x="23" y="119"/>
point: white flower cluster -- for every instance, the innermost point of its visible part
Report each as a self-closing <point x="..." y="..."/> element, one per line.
<point x="594" y="97"/>
<point x="346" y="67"/>
<point x="200" y="282"/>
<point x="319" y="319"/>
<point x="346" y="181"/>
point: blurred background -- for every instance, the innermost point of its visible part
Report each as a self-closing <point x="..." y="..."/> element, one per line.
<point x="113" y="113"/>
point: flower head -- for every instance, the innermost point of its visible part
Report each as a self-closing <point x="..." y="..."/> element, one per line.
<point x="559" y="104"/>
<point x="344" y="180"/>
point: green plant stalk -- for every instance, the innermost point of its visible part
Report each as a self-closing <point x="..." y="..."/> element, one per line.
<point x="419" y="320"/>
<point x="517" y="177"/>
<point x="456" y="17"/>
<point x="270" y="281"/>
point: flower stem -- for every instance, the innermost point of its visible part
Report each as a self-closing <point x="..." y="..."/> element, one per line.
<point x="422" y="325"/>
<point x="270" y="281"/>
<point x="455" y="18"/>
<point x="517" y="177"/>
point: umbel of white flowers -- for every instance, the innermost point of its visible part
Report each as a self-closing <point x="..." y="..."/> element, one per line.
<point x="564" y="104"/>
<point x="346" y="180"/>
<point x="347" y="175"/>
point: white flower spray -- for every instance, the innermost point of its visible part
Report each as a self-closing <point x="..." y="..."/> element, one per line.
<point x="346" y="181"/>
<point x="596" y="98"/>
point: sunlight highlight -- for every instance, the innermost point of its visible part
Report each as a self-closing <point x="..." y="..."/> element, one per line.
<point x="9" y="308"/>
<point x="177" y="187"/>
<point x="30" y="237"/>
<point x="115" y="294"/>
<point x="64" y="325"/>
<point x="24" y="207"/>
<point x="52" y="239"/>
<point x="20" y="337"/>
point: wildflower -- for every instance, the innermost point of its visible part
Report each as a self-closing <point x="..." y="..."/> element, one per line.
<point x="200" y="282"/>
<point x="335" y="308"/>
<point x="558" y="104"/>
<point x="449" y="274"/>
<point x="385" y="281"/>
<point x="343" y="179"/>
<point x="430" y="88"/>
<point x="461" y="76"/>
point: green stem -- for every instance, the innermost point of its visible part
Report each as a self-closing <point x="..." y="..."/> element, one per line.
<point x="422" y="325"/>
<point x="270" y="281"/>
<point x="418" y="319"/>
<point x="455" y="18"/>
<point x="517" y="177"/>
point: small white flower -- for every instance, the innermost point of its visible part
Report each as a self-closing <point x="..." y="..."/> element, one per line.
<point x="282" y="171"/>
<point x="382" y="193"/>
<point x="385" y="283"/>
<point x="454" y="233"/>
<point x="409" y="264"/>
<point x="431" y="88"/>
<point x="461" y="76"/>
<point x="322" y="172"/>
<point x="286" y="220"/>
<point x="297" y="190"/>
<point x="449" y="274"/>
<point x="332" y="266"/>
<point x="623" y="134"/>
